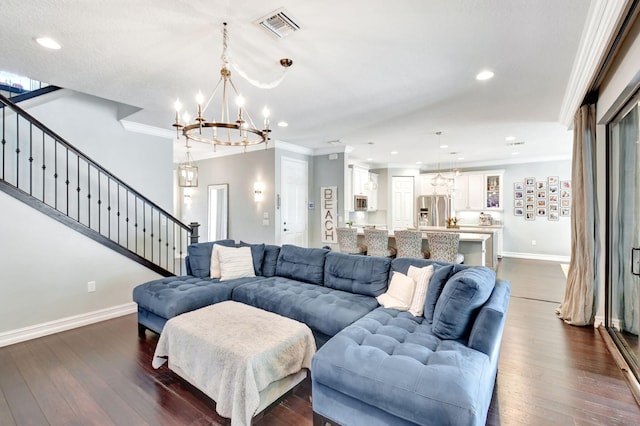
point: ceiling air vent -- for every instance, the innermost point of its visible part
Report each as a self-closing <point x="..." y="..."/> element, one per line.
<point x="278" y="23"/>
<point x="515" y="143"/>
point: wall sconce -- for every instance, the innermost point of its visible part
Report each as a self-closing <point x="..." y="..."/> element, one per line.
<point x="258" y="191"/>
<point x="186" y="196"/>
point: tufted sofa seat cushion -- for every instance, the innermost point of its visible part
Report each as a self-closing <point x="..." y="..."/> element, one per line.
<point x="391" y="360"/>
<point x="323" y="309"/>
<point x="171" y="296"/>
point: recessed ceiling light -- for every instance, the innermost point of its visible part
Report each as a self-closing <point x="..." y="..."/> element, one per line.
<point x="444" y="146"/>
<point x="394" y="152"/>
<point x="510" y="138"/>
<point x="515" y="153"/>
<point x="484" y="75"/>
<point x="49" y="43"/>
<point x="283" y="124"/>
<point x="460" y="158"/>
<point x="418" y="162"/>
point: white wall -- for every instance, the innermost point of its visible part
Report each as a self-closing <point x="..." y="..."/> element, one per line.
<point x="245" y="215"/>
<point x="553" y="238"/>
<point x="46" y="267"/>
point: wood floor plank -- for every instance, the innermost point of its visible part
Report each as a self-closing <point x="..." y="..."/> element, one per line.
<point x="5" y="412"/>
<point x="34" y="368"/>
<point x="22" y="404"/>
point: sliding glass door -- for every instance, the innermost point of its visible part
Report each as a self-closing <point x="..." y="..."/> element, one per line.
<point x="623" y="292"/>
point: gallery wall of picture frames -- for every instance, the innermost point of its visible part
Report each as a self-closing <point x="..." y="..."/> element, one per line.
<point x="542" y="199"/>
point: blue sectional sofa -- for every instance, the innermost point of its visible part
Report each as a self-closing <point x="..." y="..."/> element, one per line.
<point x="375" y="366"/>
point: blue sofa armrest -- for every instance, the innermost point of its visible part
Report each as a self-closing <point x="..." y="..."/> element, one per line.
<point x="486" y="333"/>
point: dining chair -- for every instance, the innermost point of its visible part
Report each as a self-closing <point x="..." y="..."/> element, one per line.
<point x="348" y="241"/>
<point x="377" y="242"/>
<point x="408" y="243"/>
<point x="444" y="246"/>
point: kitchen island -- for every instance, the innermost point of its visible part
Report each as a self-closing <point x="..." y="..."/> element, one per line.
<point x="476" y="246"/>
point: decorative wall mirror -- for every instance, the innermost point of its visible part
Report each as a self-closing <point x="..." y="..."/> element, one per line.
<point x="218" y="226"/>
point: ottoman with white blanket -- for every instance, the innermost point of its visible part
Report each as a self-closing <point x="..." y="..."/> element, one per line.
<point x="242" y="357"/>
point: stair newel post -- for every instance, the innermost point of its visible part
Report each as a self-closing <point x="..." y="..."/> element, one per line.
<point x="193" y="238"/>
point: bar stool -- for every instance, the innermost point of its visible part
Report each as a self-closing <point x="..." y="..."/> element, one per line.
<point x="408" y="243"/>
<point x="377" y="242"/>
<point x="444" y="246"/>
<point x="348" y="241"/>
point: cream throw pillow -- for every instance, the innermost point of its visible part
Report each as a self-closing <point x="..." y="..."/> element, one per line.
<point x="399" y="294"/>
<point x="235" y="262"/>
<point x="214" y="269"/>
<point x="421" y="276"/>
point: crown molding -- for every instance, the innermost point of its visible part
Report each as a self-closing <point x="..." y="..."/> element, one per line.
<point x="602" y="20"/>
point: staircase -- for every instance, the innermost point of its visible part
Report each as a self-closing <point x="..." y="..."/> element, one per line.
<point x="41" y="169"/>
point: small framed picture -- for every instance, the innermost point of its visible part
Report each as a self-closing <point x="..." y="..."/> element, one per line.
<point x="542" y="211"/>
<point x="529" y="181"/>
<point x="565" y="211"/>
<point x="529" y="207"/>
<point x="565" y="203"/>
<point x="542" y="194"/>
<point x="530" y="190"/>
<point x="553" y="198"/>
<point x="553" y="189"/>
<point x="529" y="216"/>
<point x="542" y="203"/>
<point x="565" y="184"/>
<point x="553" y="180"/>
<point x="518" y="195"/>
<point x="553" y="207"/>
<point x="541" y="185"/>
<point x="531" y="198"/>
<point x="518" y="186"/>
<point x="518" y="211"/>
<point x="565" y="193"/>
<point x="519" y="203"/>
<point x="553" y="215"/>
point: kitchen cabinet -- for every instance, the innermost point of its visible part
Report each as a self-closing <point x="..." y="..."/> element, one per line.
<point x="479" y="191"/>
<point x="348" y="190"/>
<point x="372" y="194"/>
<point x="357" y="184"/>
<point x="360" y="177"/>
<point x="493" y="191"/>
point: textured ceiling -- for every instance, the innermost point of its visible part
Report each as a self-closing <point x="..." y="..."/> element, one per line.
<point x="391" y="73"/>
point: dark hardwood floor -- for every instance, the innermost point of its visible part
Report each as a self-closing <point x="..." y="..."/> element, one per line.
<point x="550" y="373"/>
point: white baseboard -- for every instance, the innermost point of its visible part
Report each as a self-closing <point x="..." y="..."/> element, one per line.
<point x="536" y="256"/>
<point x="39" y="330"/>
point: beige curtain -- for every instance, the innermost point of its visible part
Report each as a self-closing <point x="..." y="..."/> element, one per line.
<point x="578" y="304"/>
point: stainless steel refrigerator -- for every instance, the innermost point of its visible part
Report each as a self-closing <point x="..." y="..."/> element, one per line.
<point x="433" y="210"/>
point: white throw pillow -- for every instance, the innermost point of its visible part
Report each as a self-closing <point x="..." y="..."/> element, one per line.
<point x="399" y="294"/>
<point x="421" y="276"/>
<point x="235" y="262"/>
<point x="214" y="269"/>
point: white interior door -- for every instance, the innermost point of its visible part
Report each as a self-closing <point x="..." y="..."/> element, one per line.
<point x="294" y="197"/>
<point x="402" y="196"/>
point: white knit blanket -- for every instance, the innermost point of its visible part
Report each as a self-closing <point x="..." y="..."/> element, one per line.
<point x="232" y="351"/>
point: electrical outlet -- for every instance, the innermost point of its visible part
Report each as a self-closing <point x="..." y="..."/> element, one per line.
<point x="91" y="286"/>
<point x="533" y="242"/>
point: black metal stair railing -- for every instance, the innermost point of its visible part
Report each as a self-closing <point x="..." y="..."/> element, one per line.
<point x="43" y="170"/>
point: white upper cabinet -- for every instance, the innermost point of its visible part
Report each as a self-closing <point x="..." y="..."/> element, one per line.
<point x="479" y="191"/>
<point x="360" y="177"/>
<point x="373" y="193"/>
